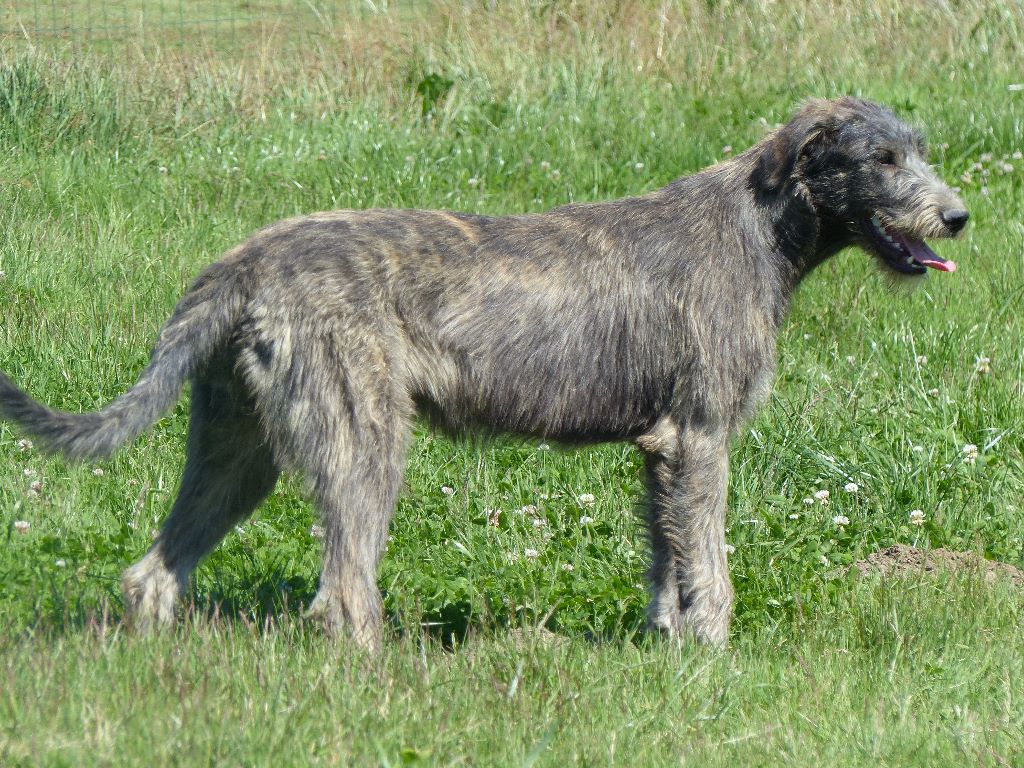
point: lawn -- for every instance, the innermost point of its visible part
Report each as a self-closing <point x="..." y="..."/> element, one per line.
<point x="129" y="165"/>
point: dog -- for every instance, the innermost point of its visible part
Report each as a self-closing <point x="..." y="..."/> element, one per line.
<point x="653" y="319"/>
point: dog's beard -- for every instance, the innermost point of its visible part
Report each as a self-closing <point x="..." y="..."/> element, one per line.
<point x="899" y="282"/>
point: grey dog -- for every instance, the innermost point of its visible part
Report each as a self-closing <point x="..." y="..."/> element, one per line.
<point x="312" y="345"/>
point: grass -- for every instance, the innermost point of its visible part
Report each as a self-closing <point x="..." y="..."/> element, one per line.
<point x="875" y="687"/>
<point x="123" y="175"/>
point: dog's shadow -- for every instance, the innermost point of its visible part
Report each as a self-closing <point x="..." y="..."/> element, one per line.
<point x="277" y="601"/>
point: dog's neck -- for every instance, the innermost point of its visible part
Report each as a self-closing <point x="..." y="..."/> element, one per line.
<point x="805" y="236"/>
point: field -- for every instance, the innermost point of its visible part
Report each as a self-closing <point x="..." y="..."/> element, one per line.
<point x="129" y="165"/>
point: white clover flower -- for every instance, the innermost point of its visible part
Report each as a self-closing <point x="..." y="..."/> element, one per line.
<point x="586" y="520"/>
<point x="970" y="453"/>
<point x="447" y="490"/>
<point x="922" y="359"/>
<point x="545" y="165"/>
<point x="917" y="448"/>
<point x="22" y="526"/>
<point x="729" y="549"/>
<point x="821" y="495"/>
<point x="539" y="522"/>
<point x="982" y="364"/>
<point x="29" y="472"/>
<point x="528" y="509"/>
<point x="727" y="149"/>
<point x="556" y="174"/>
<point x="808" y="502"/>
<point x="851" y="359"/>
<point x="933" y="393"/>
<point x="531" y="553"/>
<point x="24" y="445"/>
<point x="586" y="498"/>
<point x="795" y="516"/>
<point x="543" y="447"/>
<point x="473" y="181"/>
<point x="917" y="517"/>
<point x="60" y="563"/>
<point x="36" y="486"/>
<point x="841" y="520"/>
<point x="317" y="531"/>
<point x="567" y="567"/>
<point x="97" y="471"/>
<point x="638" y="166"/>
<point x="851" y="487"/>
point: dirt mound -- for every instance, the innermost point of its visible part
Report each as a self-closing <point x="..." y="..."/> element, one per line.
<point x="903" y="561"/>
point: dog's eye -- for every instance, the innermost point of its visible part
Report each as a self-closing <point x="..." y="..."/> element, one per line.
<point x="886" y="157"/>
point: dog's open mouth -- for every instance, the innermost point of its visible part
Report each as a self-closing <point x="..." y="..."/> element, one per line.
<point x="901" y="252"/>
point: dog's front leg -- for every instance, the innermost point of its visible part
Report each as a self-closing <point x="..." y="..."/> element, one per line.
<point x="687" y="480"/>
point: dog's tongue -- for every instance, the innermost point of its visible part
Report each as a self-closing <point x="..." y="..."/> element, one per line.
<point x="924" y="255"/>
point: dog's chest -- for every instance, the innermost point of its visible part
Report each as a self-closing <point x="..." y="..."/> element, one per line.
<point x="755" y="393"/>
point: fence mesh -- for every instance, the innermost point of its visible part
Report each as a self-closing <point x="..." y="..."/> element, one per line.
<point x="85" y="24"/>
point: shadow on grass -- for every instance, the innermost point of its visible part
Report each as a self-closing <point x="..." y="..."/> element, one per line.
<point x="278" y="600"/>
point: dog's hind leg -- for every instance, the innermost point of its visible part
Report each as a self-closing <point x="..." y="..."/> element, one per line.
<point x="336" y="411"/>
<point x="356" y="483"/>
<point x="356" y="510"/>
<point x="229" y="470"/>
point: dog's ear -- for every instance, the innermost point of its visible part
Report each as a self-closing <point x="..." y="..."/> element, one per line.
<point x="782" y="150"/>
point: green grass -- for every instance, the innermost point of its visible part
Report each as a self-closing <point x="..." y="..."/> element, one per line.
<point x="122" y="176"/>
<point x="889" y="680"/>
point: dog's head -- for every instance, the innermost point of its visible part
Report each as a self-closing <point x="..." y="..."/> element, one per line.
<point x="866" y="174"/>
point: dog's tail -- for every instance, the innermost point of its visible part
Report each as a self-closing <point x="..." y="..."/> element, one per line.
<point x="201" y="323"/>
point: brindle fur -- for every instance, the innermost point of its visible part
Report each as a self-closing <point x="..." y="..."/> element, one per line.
<point x="653" y="319"/>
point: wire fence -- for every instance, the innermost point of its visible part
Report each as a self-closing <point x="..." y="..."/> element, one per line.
<point x="85" y="24"/>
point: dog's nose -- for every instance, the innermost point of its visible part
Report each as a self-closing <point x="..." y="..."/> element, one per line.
<point x="955" y="219"/>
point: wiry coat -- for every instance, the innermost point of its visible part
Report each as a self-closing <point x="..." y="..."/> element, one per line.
<point x="653" y="319"/>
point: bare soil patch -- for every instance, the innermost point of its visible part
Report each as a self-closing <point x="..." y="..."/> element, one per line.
<point x="902" y="561"/>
